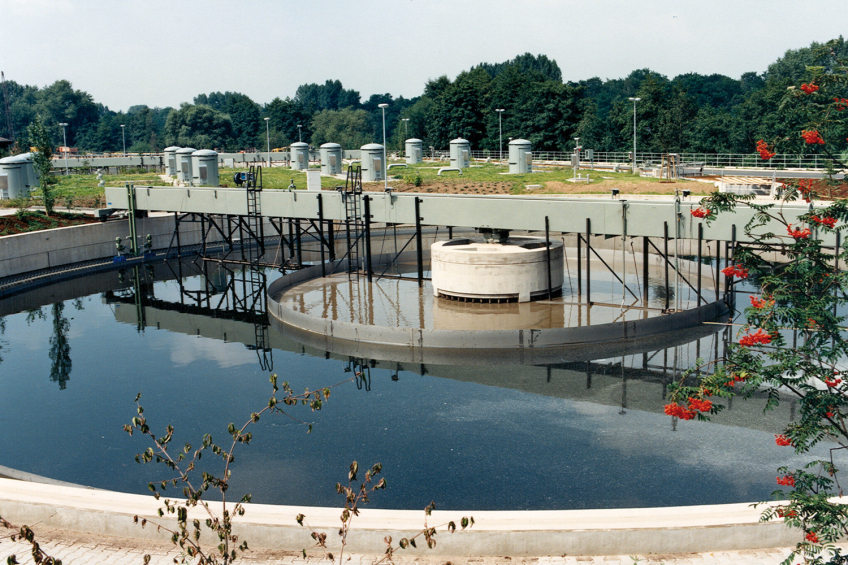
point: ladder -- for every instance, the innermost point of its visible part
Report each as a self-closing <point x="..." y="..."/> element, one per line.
<point x="253" y="186"/>
<point x="354" y="223"/>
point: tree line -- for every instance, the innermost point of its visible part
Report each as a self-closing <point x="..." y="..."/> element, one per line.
<point x="690" y="113"/>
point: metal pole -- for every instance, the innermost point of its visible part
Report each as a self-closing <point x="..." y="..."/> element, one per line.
<point x="321" y="233"/>
<point x="588" y="262"/>
<point x="579" y="265"/>
<point x="385" y="165"/>
<point x="634" y="100"/>
<point x="700" y="263"/>
<point x="418" y="243"/>
<point x="268" y="140"/>
<point x="124" y="139"/>
<point x="676" y="252"/>
<point x="65" y="141"/>
<point x="548" y="254"/>
<point x="368" y="271"/>
<point x="645" y="278"/>
<point x="500" y="112"/>
<point x="665" y="253"/>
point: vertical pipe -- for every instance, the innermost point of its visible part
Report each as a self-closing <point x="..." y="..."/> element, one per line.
<point x="579" y="265"/>
<point x="676" y="254"/>
<point x="203" y="235"/>
<point x="588" y="263"/>
<point x="700" y="242"/>
<point x="665" y="253"/>
<point x="291" y="239"/>
<point x="320" y="230"/>
<point x="645" y="271"/>
<point x="450" y="232"/>
<point x="418" y="243"/>
<point x="331" y="240"/>
<point x="367" y="212"/>
<point x="299" y="244"/>
<point x="548" y="254"/>
<point x="177" y="231"/>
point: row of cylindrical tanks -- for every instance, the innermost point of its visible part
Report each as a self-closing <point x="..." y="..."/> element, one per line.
<point x="194" y="167"/>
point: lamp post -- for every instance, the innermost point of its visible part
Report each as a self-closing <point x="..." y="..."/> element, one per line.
<point x="124" y="139"/>
<point x="405" y="133"/>
<point x="634" y="100"/>
<point x="299" y="137"/>
<point x="268" y="140"/>
<point x="500" y="112"/>
<point x="65" y="141"/>
<point x="385" y="166"/>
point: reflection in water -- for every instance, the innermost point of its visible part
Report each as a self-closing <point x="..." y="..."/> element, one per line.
<point x="60" y="347"/>
<point x="584" y="431"/>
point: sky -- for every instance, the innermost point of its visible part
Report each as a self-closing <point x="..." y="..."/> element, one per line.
<point x="162" y="53"/>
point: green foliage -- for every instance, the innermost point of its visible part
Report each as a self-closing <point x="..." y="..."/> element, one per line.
<point x="198" y="126"/>
<point x="347" y="127"/>
<point x="414" y="178"/>
<point x="42" y="161"/>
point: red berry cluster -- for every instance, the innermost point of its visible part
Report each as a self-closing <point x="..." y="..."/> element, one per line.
<point x="782" y="440"/>
<point x="735" y="271"/>
<point x="763" y="149"/>
<point x="809" y="88"/>
<point x="812" y="537"/>
<point x="783" y="512"/>
<point x="805" y="187"/>
<point x="701" y="213"/>
<point x="687" y="413"/>
<point x="797" y="233"/>
<point x="812" y="137"/>
<point x="734" y="380"/>
<point x="760" y="303"/>
<point x="786" y="481"/>
<point x="829" y="222"/>
<point x="753" y="339"/>
<point x="832" y="382"/>
<point x="840" y="103"/>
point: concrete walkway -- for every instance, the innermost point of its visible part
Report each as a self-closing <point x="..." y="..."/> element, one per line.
<point x="85" y="549"/>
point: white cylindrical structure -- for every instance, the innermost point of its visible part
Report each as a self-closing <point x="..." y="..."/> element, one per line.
<point x="414" y="148"/>
<point x="373" y="167"/>
<point x="460" y="153"/>
<point x="299" y="153"/>
<point x="171" y="160"/>
<point x="520" y="157"/>
<point x="204" y="168"/>
<point x="184" y="163"/>
<point x="32" y="180"/>
<point x="331" y="159"/>
<point x="514" y="271"/>
<point x="14" y="177"/>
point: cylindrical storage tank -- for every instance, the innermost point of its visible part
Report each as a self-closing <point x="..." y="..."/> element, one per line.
<point x="299" y="154"/>
<point x="204" y="168"/>
<point x="460" y="153"/>
<point x="520" y="157"/>
<point x="414" y="148"/>
<point x="373" y="167"/>
<point x="515" y="271"/>
<point x="184" y="164"/>
<point x="31" y="180"/>
<point x="14" y="181"/>
<point x="171" y="160"/>
<point x="331" y="159"/>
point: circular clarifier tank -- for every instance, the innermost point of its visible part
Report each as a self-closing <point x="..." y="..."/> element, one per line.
<point x="517" y="269"/>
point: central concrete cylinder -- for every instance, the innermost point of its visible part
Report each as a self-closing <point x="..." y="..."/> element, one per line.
<point x="460" y="153"/>
<point x="493" y="272"/>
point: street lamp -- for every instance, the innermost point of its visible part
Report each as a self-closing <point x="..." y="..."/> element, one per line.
<point x="299" y="137"/>
<point x="65" y="141"/>
<point x="385" y="166"/>
<point x="268" y="139"/>
<point x="405" y="133"/>
<point x="634" y="100"/>
<point x="124" y="139"/>
<point x="500" y="112"/>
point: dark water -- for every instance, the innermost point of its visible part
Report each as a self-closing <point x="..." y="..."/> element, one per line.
<point x="576" y="434"/>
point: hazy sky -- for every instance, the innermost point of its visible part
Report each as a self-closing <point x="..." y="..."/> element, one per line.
<point x="162" y="53"/>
